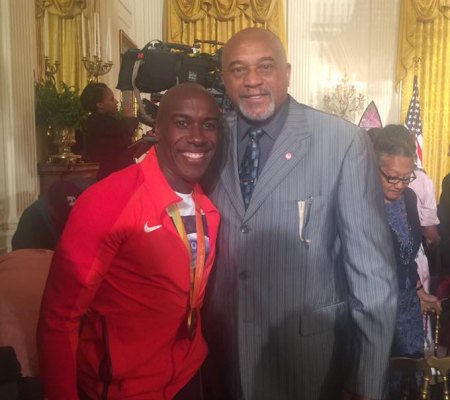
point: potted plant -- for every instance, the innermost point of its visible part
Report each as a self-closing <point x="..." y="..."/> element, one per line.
<point x="58" y="114"/>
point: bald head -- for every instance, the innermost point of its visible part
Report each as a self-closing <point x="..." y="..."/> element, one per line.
<point x="178" y="94"/>
<point x="256" y="73"/>
<point x="187" y="132"/>
<point x="250" y="36"/>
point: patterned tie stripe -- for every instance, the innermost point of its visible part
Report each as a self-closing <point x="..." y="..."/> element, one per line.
<point x="248" y="171"/>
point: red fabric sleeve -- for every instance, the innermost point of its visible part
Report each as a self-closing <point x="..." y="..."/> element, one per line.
<point x="81" y="260"/>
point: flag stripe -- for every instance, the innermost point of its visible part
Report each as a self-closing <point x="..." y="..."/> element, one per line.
<point x="414" y="120"/>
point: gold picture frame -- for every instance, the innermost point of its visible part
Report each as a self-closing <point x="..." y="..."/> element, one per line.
<point x="125" y="43"/>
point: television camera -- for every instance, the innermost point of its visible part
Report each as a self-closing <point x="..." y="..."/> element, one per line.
<point x="158" y="66"/>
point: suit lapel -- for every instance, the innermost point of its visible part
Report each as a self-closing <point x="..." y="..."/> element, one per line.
<point x="230" y="175"/>
<point x="290" y="147"/>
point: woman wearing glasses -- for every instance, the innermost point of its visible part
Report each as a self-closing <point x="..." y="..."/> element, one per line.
<point x="395" y="149"/>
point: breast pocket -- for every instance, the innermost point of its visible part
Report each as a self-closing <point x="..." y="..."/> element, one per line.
<point x="312" y="215"/>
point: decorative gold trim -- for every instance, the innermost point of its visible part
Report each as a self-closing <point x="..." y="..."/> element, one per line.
<point x="125" y="43"/>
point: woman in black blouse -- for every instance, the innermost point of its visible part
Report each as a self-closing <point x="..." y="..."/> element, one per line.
<point x="107" y="138"/>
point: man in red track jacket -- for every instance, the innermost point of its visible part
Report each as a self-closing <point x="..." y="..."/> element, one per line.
<point x="120" y="313"/>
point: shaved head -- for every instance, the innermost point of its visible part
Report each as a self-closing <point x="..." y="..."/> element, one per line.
<point x="179" y="93"/>
<point x="187" y="132"/>
<point x="251" y="35"/>
<point x="255" y="73"/>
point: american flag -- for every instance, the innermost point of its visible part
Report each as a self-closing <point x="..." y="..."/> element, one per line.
<point x="414" y="122"/>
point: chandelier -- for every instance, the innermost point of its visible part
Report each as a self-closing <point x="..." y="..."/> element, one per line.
<point x="344" y="100"/>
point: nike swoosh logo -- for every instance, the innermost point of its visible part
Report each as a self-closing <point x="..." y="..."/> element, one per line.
<point x="149" y="229"/>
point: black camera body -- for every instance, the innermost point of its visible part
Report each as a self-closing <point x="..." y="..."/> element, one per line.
<point x="164" y="65"/>
<point x="159" y="66"/>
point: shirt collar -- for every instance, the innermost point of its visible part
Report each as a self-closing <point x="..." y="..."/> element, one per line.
<point x="272" y="127"/>
<point x="157" y="184"/>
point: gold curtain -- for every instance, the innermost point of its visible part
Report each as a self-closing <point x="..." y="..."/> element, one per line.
<point x="425" y="36"/>
<point x="63" y="37"/>
<point x="218" y="20"/>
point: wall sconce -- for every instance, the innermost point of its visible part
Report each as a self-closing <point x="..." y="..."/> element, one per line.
<point x="50" y="69"/>
<point x="344" y="99"/>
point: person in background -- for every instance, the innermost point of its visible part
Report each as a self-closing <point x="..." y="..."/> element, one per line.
<point x="443" y="287"/>
<point x="444" y="227"/>
<point x="395" y="149"/>
<point x="120" y="316"/>
<point x="42" y="223"/>
<point x="423" y="187"/>
<point x="302" y="302"/>
<point x="107" y="138"/>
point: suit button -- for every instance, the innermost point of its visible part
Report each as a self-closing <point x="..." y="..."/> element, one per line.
<point x="244" y="229"/>
<point x="243" y="276"/>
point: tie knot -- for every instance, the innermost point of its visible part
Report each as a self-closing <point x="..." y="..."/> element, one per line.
<point x="255" y="133"/>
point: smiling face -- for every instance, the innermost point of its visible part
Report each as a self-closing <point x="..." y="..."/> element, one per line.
<point x="395" y="166"/>
<point x="255" y="73"/>
<point x="187" y="133"/>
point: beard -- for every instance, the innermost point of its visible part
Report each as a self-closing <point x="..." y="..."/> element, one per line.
<point x="256" y="113"/>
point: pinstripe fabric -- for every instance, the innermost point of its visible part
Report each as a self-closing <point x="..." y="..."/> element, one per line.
<point x="296" y="312"/>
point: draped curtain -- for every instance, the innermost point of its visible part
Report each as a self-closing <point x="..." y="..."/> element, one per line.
<point x="218" y="20"/>
<point x="63" y="38"/>
<point x="424" y="48"/>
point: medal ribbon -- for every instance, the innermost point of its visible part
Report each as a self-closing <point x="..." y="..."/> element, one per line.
<point x="196" y="270"/>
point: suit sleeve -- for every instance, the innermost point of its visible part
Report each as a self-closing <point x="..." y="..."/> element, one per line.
<point x="444" y="209"/>
<point x="81" y="260"/>
<point x="369" y="264"/>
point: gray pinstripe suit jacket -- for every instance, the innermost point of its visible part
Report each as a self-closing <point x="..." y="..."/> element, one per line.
<point x="303" y="297"/>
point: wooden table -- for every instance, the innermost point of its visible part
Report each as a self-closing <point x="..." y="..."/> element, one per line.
<point x="51" y="172"/>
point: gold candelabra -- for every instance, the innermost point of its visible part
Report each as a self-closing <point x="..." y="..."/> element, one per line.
<point x="50" y="68"/>
<point x="344" y="100"/>
<point x="96" y="67"/>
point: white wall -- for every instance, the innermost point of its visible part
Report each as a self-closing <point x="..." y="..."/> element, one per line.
<point x="327" y="38"/>
<point x="141" y="20"/>
<point x="18" y="170"/>
<point x="147" y="21"/>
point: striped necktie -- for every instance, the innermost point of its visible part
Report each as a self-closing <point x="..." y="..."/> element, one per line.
<point x="248" y="171"/>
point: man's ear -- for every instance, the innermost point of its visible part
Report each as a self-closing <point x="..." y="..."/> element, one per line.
<point x="288" y="72"/>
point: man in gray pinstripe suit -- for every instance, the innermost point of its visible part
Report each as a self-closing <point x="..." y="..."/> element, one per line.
<point x="303" y="298"/>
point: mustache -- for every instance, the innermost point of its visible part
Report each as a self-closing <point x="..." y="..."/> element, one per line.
<point x="247" y="95"/>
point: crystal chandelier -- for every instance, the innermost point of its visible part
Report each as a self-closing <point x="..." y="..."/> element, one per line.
<point x="344" y="100"/>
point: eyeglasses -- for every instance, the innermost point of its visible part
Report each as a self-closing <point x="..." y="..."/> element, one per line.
<point x="393" y="180"/>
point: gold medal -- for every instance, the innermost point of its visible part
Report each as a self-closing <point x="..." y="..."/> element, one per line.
<point x="196" y="269"/>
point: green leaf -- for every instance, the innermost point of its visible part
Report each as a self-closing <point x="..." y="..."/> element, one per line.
<point x="57" y="109"/>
